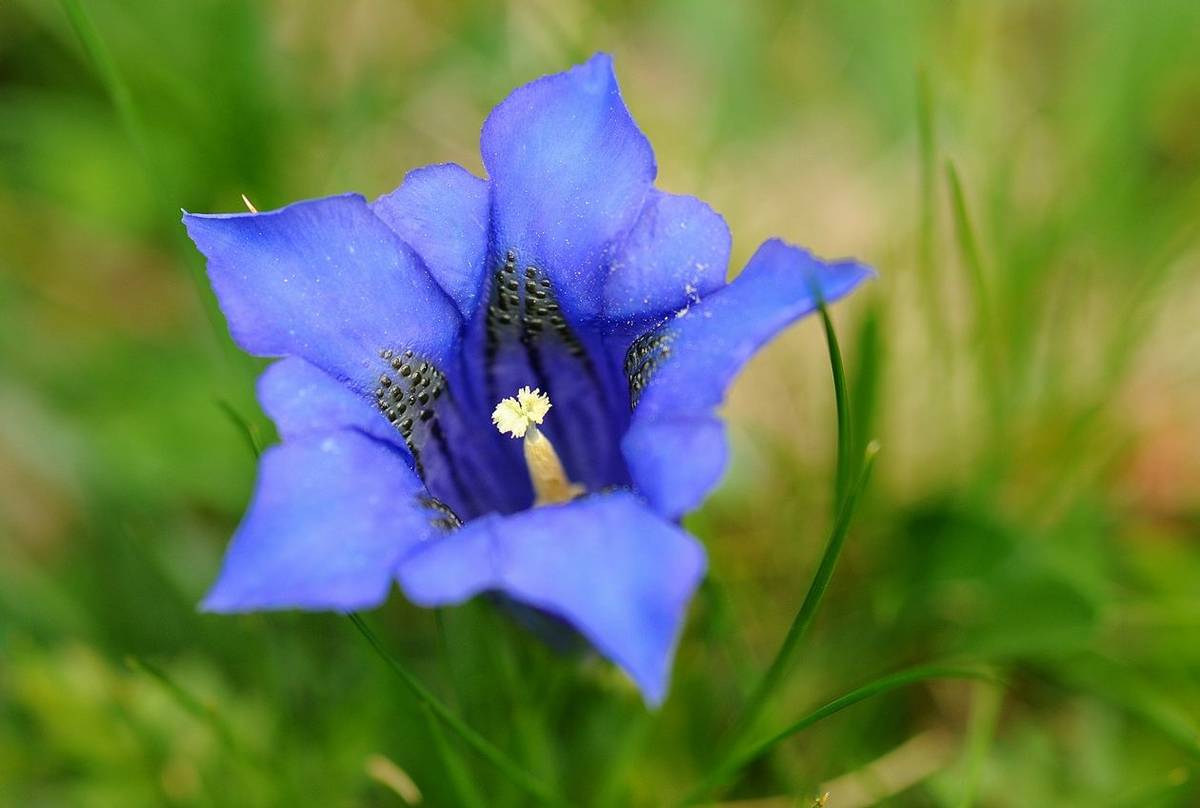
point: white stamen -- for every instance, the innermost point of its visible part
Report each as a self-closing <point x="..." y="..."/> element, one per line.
<point x="249" y="204"/>
<point x="519" y="416"/>
<point x="515" y="415"/>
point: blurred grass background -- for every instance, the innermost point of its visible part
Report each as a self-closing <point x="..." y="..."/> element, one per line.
<point x="1029" y="359"/>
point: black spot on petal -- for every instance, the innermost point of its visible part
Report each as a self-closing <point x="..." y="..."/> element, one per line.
<point x="645" y="356"/>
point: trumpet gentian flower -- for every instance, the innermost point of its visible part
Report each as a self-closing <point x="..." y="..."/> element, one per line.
<point x="403" y="323"/>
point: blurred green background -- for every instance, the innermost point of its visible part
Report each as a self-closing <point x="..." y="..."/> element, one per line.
<point x="1029" y="360"/>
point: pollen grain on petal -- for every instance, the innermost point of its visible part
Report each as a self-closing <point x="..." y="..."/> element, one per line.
<point x="515" y="414"/>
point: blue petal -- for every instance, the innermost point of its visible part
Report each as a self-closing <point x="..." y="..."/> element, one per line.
<point x="697" y="354"/>
<point x="678" y="460"/>
<point x="569" y="170"/>
<point x="331" y="517"/>
<point x="302" y="399"/>
<point x="325" y="280"/>
<point x="676" y="254"/>
<point x="442" y="212"/>
<point x="607" y="565"/>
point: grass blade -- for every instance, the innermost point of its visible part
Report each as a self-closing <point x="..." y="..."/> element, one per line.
<point x="845" y="500"/>
<point x="188" y="702"/>
<point x="968" y="244"/>
<point x="845" y="430"/>
<point x="867" y="378"/>
<point x="992" y="369"/>
<point x="110" y="77"/>
<point x="244" y="427"/>
<point x="808" y="609"/>
<point x="122" y="101"/>
<point x="515" y="774"/>
<point x="927" y="229"/>
<point x="723" y="773"/>
<point x="985" y="711"/>
<point x="1116" y="684"/>
<point x="460" y="779"/>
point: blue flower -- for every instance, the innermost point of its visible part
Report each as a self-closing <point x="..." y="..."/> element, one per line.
<point x="402" y="322"/>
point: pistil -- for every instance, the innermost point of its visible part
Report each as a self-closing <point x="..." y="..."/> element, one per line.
<point x="519" y="416"/>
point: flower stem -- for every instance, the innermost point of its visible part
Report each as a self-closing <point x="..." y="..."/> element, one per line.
<point x="518" y="776"/>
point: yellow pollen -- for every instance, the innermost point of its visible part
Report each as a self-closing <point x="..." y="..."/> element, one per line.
<point x="519" y="416"/>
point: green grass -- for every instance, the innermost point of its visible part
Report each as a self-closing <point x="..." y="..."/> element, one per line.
<point x="1026" y="178"/>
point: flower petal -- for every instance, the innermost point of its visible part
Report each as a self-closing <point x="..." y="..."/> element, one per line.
<point x="672" y="487"/>
<point x="325" y="280"/>
<point x="690" y="360"/>
<point x="331" y="517"/>
<point x="676" y="253"/>
<point x="441" y="211"/>
<point x="569" y="170"/>
<point x="302" y="399"/>
<point x="607" y="565"/>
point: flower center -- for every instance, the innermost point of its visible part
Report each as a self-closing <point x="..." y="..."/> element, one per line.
<point x="519" y="416"/>
<point x="524" y="335"/>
